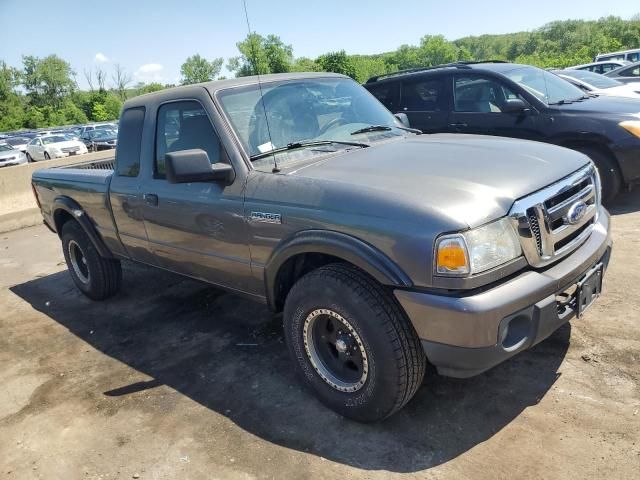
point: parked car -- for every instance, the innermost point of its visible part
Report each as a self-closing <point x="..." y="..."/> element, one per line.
<point x="11" y="156"/>
<point x="53" y="146"/>
<point x="627" y="55"/>
<point x="100" y="139"/>
<point x="19" y="143"/>
<point x="600" y="67"/>
<point x="628" y="74"/>
<point x="383" y="247"/>
<point x="89" y="128"/>
<point x="599" y="84"/>
<point x="520" y="101"/>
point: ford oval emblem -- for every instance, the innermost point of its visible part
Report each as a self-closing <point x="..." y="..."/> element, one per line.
<point x="576" y="212"/>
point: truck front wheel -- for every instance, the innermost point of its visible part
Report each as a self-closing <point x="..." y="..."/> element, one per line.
<point x="352" y="343"/>
<point x="97" y="277"/>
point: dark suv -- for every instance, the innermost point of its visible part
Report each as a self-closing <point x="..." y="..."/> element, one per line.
<point x="520" y="101"/>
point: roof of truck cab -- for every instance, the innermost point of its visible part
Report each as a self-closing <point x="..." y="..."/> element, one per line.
<point x="217" y="85"/>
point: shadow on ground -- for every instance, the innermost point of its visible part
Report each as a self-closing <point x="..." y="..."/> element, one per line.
<point x="227" y="354"/>
<point x="626" y="202"/>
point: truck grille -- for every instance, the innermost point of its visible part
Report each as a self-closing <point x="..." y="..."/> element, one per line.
<point x="554" y="221"/>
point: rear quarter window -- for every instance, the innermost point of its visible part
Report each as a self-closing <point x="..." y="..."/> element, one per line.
<point x="129" y="142"/>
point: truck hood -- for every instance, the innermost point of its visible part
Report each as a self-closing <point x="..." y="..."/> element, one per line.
<point x="468" y="179"/>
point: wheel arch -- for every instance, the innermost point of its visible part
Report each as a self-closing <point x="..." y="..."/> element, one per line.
<point x="310" y="249"/>
<point x="67" y="209"/>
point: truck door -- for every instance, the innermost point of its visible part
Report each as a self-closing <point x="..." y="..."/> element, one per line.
<point x="196" y="229"/>
<point x="426" y="101"/>
<point x="124" y="191"/>
<point x="477" y="108"/>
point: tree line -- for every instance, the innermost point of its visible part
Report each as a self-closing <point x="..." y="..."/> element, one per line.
<point x="44" y="92"/>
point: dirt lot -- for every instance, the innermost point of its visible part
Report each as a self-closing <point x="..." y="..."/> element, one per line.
<point x="174" y="379"/>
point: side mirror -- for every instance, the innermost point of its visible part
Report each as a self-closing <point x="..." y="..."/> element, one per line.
<point x="403" y="119"/>
<point x="515" y="105"/>
<point x="188" y="166"/>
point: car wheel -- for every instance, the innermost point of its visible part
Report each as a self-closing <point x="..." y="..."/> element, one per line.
<point x="30" y="159"/>
<point x="97" y="277"/>
<point x="352" y="343"/>
<point x="610" y="176"/>
<point x="46" y="156"/>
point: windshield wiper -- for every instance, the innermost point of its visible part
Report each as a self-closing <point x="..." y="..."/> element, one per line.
<point x="384" y="128"/>
<point x="372" y="128"/>
<point x="562" y="102"/>
<point x="315" y="143"/>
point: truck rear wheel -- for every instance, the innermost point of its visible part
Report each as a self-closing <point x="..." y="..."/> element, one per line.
<point x="97" y="277"/>
<point x="352" y="343"/>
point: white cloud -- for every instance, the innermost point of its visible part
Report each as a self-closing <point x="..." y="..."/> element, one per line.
<point x="100" y="58"/>
<point x="150" y="68"/>
<point x="149" y="72"/>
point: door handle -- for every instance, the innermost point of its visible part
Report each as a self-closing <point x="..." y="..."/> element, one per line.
<point x="458" y="125"/>
<point x="151" y="199"/>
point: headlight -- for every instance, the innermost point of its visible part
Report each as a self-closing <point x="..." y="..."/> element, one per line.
<point x="631" y="126"/>
<point x="477" y="250"/>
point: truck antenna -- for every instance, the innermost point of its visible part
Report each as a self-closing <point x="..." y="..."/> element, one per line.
<point x="255" y="66"/>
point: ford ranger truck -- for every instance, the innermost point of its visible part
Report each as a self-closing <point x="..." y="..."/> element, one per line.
<point x="384" y="249"/>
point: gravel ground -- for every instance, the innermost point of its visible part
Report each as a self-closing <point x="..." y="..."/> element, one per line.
<point x="175" y="379"/>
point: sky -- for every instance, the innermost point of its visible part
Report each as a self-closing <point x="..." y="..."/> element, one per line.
<point x="152" y="38"/>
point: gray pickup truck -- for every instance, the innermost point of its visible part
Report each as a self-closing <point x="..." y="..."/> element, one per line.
<point x="385" y="249"/>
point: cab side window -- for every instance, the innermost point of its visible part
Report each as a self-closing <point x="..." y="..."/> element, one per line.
<point x="480" y="95"/>
<point x="129" y="142"/>
<point x="425" y="95"/>
<point x="184" y="126"/>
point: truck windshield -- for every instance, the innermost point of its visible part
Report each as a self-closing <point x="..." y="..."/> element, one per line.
<point x="336" y="109"/>
<point x="549" y="88"/>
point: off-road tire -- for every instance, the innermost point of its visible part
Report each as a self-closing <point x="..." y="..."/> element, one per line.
<point x="610" y="176"/>
<point x="396" y="360"/>
<point x="104" y="275"/>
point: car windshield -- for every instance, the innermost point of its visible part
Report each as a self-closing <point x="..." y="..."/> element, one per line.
<point x="306" y="110"/>
<point x="594" y="79"/>
<point x="549" y="88"/>
<point x="5" y="147"/>
<point x="101" y="133"/>
<point x="54" y="139"/>
<point x="17" y="141"/>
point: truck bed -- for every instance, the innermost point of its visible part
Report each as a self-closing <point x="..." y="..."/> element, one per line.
<point x="86" y="183"/>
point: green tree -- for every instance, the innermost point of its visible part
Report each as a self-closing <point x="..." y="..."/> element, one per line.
<point x="150" y="88"/>
<point x="99" y="112"/>
<point x="34" y="118"/>
<point x="12" y="105"/>
<point x="261" y="55"/>
<point x="436" y="50"/>
<point x="338" y="62"/>
<point x="72" y="113"/>
<point x="112" y="106"/>
<point x="304" y="64"/>
<point x="197" y="69"/>
<point x="48" y="80"/>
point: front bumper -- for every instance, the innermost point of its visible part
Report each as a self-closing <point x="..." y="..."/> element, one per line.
<point x="461" y="334"/>
<point x="9" y="163"/>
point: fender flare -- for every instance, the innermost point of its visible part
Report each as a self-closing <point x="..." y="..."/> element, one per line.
<point x="346" y="247"/>
<point x="72" y="207"/>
